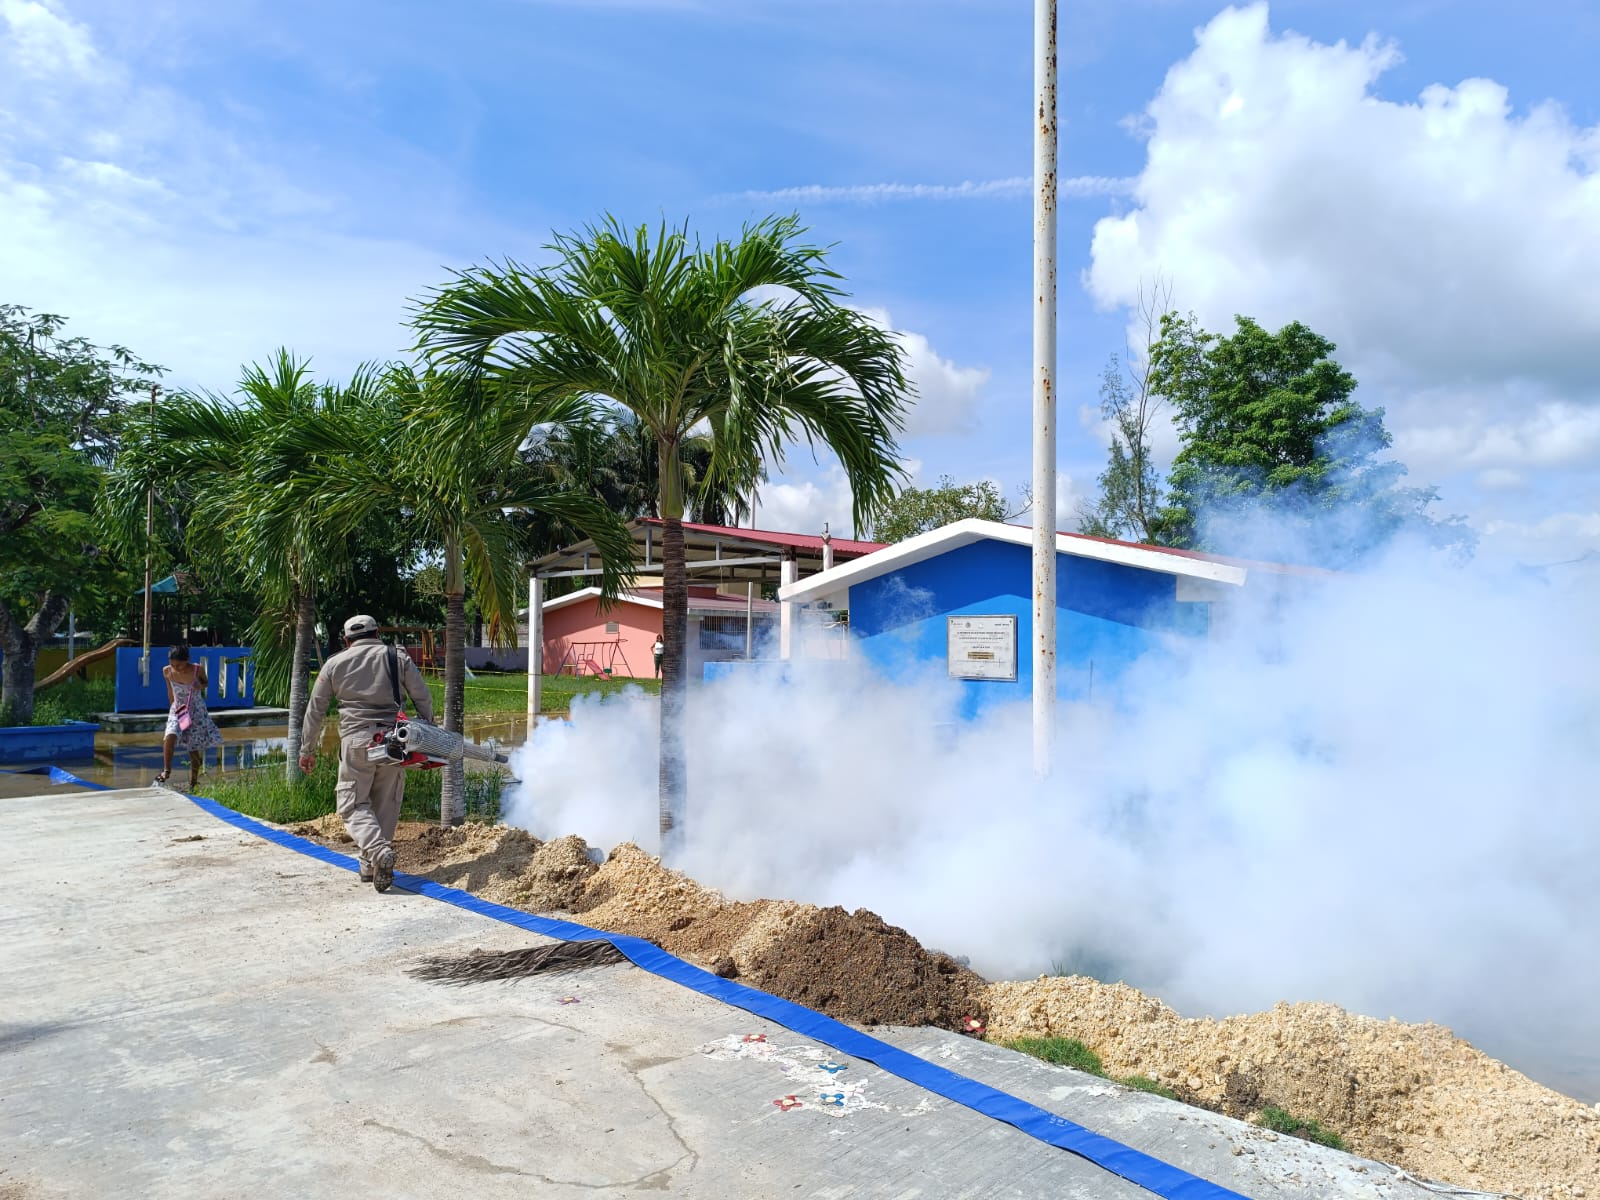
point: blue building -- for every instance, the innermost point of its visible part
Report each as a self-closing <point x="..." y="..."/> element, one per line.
<point x="961" y="596"/>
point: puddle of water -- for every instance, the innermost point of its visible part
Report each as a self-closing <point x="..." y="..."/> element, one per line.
<point x="134" y="759"/>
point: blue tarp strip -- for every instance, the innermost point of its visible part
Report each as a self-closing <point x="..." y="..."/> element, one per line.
<point x="1152" y="1174"/>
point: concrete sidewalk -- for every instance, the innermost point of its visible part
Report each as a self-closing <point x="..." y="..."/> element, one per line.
<point x="193" y="1011"/>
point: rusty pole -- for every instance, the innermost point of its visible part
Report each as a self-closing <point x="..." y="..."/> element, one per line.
<point x="1044" y="383"/>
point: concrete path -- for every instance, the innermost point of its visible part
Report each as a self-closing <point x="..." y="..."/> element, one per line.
<point x="190" y="1011"/>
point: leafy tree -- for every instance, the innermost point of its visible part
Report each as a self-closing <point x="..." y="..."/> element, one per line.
<point x="455" y="492"/>
<point x="255" y="474"/>
<point x="1268" y="426"/>
<point x="1129" y="504"/>
<point x="62" y="402"/>
<point x="745" y="340"/>
<point x="917" y="510"/>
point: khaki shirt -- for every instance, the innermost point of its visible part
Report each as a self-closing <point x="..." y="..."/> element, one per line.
<point x="359" y="676"/>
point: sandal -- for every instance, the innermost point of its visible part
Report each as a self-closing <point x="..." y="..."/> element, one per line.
<point x="162" y="778"/>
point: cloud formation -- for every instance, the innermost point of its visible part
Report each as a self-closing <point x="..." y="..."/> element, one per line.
<point x="875" y="193"/>
<point x="1449" y="244"/>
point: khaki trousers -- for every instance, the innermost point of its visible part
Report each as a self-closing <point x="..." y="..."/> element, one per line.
<point x="368" y="795"/>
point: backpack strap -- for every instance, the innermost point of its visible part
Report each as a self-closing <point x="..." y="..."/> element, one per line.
<point x="394" y="677"/>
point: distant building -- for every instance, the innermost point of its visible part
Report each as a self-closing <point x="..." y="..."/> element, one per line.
<point x="581" y="637"/>
<point x="962" y="597"/>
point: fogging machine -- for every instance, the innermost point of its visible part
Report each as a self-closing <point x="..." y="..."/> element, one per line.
<point x="419" y="744"/>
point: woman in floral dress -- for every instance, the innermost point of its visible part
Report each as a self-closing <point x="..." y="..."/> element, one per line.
<point x="189" y="725"/>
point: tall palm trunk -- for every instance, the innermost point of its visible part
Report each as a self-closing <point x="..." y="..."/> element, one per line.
<point x="453" y="788"/>
<point x="300" y="677"/>
<point x="674" y="784"/>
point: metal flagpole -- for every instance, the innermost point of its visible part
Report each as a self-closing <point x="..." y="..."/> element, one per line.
<point x="1044" y="382"/>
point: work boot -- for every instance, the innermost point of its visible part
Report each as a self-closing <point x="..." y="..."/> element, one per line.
<point x="363" y="870"/>
<point x="383" y="869"/>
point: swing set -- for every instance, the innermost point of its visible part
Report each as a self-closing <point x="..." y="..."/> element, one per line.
<point x="594" y="658"/>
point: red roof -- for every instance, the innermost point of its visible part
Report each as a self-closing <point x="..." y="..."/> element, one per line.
<point x="842" y="547"/>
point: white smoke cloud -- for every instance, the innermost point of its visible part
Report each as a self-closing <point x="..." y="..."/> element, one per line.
<point x="1379" y="795"/>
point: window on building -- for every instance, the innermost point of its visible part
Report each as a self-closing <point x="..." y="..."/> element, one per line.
<point x="722" y="633"/>
<point x="611" y="627"/>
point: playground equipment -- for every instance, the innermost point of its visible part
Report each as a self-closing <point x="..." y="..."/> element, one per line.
<point x="595" y="658"/>
<point x="73" y="665"/>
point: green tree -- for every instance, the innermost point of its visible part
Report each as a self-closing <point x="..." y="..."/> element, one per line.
<point x="917" y="510"/>
<point x="745" y="340"/>
<point x="1268" y="427"/>
<point x="62" y="404"/>
<point x="1129" y="504"/>
<point x="255" y="472"/>
<point x="456" y="491"/>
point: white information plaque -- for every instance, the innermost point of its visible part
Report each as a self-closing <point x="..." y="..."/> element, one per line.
<point x="982" y="647"/>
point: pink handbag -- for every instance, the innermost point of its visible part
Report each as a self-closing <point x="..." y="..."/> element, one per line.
<point x="183" y="717"/>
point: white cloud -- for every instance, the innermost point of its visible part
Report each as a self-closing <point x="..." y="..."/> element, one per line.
<point x="41" y="42"/>
<point x="947" y="395"/>
<point x="1559" y="537"/>
<point x="1450" y="245"/>
<point x="875" y="193"/>
<point x="149" y="220"/>
<point x="803" y="505"/>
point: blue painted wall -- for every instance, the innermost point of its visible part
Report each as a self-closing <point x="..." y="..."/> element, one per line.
<point x="73" y="742"/>
<point x="230" y="685"/>
<point x="1107" y="617"/>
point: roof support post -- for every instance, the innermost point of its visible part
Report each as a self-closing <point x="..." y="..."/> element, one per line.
<point x="1044" y="381"/>
<point x="788" y="573"/>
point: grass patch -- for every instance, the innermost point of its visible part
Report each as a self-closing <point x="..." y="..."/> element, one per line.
<point x="1281" y="1121"/>
<point x="1063" y="1052"/>
<point x="262" y="791"/>
<point x="74" y="700"/>
<point x="508" y="694"/>
<point x="1143" y="1083"/>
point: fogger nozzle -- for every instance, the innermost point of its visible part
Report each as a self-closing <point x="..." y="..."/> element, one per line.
<point x="418" y="737"/>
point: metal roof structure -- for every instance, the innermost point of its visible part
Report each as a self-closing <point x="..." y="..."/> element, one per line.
<point x="720" y="553"/>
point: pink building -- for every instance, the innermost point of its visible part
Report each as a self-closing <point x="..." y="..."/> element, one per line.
<point x="581" y="638"/>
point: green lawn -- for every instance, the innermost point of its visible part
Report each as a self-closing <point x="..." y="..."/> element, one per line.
<point x="73" y="700"/>
<point x="262" y="791"/>
<point x="491" y="694"/>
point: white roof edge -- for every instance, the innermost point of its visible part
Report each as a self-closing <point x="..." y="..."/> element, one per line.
<point x="962" y="533"/>
<point x="589" y="592"/>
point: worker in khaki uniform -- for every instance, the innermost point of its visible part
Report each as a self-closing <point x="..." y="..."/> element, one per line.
<point x="366" y="676"/>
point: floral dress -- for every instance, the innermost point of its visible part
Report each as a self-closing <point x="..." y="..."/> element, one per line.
<point x="202" y="732"/>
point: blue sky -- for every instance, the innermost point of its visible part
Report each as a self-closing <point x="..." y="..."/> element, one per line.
<point x="1415" y="180"/>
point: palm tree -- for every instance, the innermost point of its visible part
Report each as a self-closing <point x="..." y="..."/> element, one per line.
<point x="745" y="341"/>
<point x="459" y="487"/>
<point x="252" y="471"/>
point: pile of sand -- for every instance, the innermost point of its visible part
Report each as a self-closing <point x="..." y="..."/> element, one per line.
<point x="1412" y="1095"/>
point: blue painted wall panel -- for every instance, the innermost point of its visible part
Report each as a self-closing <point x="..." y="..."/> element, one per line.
<point x="230" y="685"/>
<point x="1107" y="617"/>
<point x="72" y="742"/>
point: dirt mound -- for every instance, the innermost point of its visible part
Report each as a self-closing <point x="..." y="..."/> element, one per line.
<point x="1414" y="1095"/>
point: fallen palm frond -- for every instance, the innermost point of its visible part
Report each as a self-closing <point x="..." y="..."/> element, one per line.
<point x="483" y="967"/>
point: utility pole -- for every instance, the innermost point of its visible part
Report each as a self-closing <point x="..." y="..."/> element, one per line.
<point x="1044" y="383"/>
<point x="149" y="539"/>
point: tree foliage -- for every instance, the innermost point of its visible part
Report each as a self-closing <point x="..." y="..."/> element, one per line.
<point x="917" y="510"/>
<point x="62" y="404"/>
<point x="744" y="341"/>
<point x="1129" y="503"/>
<point x="1269" y="428"/>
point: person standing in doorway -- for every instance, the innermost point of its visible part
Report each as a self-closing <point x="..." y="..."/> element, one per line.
<point x="189" y="725"/>
<point x="369" y="679"/>
<point x="657" y="652"/>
